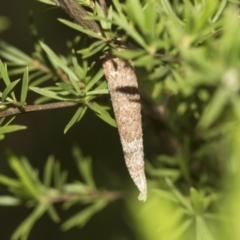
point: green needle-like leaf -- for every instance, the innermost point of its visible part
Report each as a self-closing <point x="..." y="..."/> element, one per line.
<point x="59" y="63"/>
<point x="92" y="51"/>
<point x="76" y="117"/>
<point x="81" y="29"/>
<point x="53" y="214"/>
<point x="11" y="128"/>
<point x="9" y="182"/>
<point x="84" y="165"/>
<point x="24" y="176"/>
<point x="13" y="54"/>
<point x="97" y="92"/>
<point x="9" y="89"/>
<point x="182" y="200"/>
<point x="94" y="80"/>
<point x="130" y="30"/>
<point x="9" y="201"/>
<point x="24" y="89"/>
<point x="215" y="107"/>
<point x="56" y="175"/>
<point x="202" y="230"/>
<point x="5" y="77"/>
<point x="81" y="218"/>
<point x="102" y="113"/>
<point x="48" y="171"/>
<point x="135" y="10"/>
<point x="25" y="227"/>
<point x="47" y="93"/>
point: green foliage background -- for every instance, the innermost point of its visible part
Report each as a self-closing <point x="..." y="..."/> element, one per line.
<point x="187" y="57"/>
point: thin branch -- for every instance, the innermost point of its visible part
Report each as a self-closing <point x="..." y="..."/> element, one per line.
<point x="107" y="195"/>
<point x="78" y="13"/>
<point x="34" y="108"/>
<point x="167" y="58"/>
<point x="37" y="64"/>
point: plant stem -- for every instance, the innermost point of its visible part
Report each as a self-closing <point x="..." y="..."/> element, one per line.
<point x="34" y="108"/>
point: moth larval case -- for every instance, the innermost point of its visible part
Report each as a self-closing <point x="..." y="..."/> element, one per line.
<point x="123" y="88"/>
<point x="133" y="153"/>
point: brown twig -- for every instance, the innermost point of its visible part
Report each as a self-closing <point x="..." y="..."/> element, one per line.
<point x="34" y="108"/>
<point x="37" y="64"/>
<point x="62" y="197"/>
<point x="167" y="58"/>
<point x="77" y="12"/>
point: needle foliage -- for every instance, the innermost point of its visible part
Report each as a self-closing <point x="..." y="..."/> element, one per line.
<point x="186" y="54"/>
